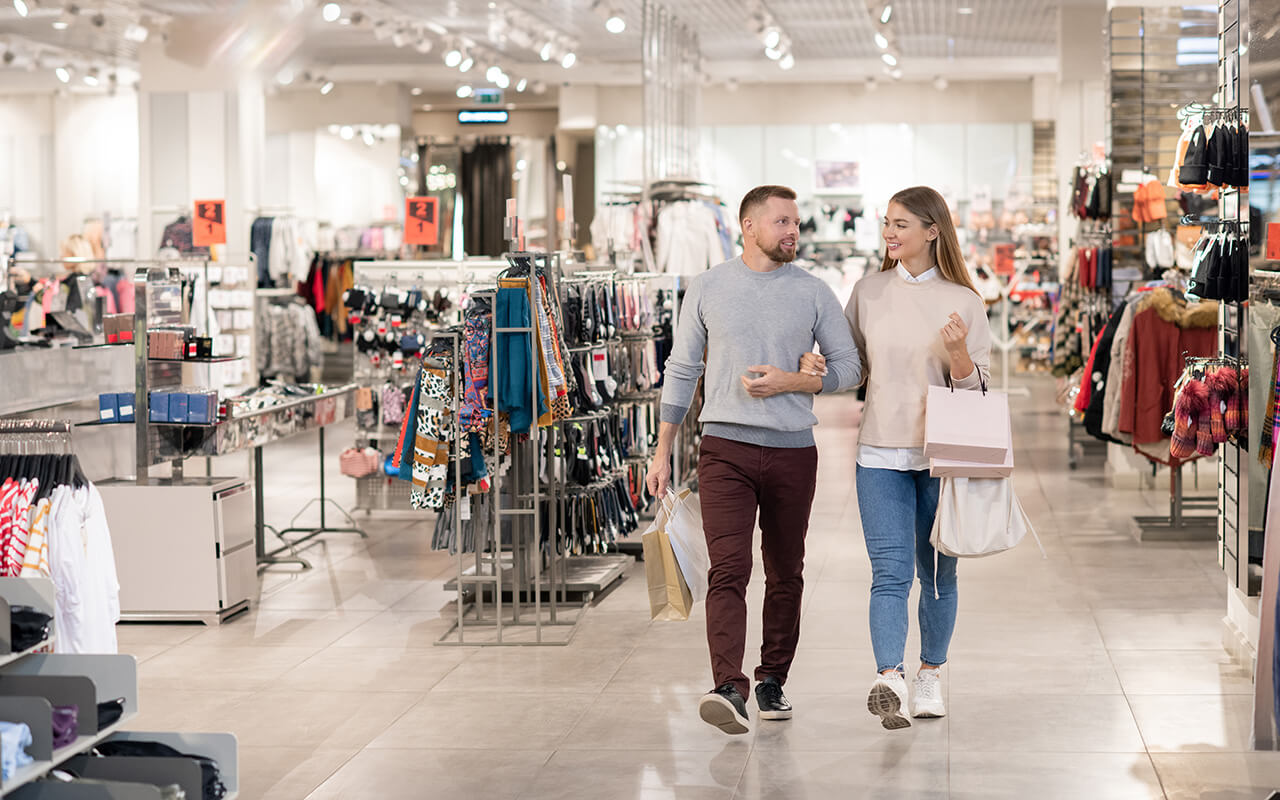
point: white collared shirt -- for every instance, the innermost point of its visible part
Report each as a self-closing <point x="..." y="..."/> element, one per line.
<point x="899" y="459"/>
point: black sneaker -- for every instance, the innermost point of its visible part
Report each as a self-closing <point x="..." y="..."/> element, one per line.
<point x="726" y="709"/>
<point x="772" y="702"/>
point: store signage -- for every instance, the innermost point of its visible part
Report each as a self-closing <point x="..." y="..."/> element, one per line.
<point x="487" y="97"/>
<point x="1273" y="241"/>
<point x="484" y="117"/>
<point x="210" y="225"/>
<point x="421" y="220"/>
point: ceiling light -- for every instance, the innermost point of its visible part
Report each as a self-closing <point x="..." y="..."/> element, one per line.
<point x="423" y="46"/>
<point x="464" y="91"/>
<point x="772" y="38"/>
<point x="886" y="14"/>
<point x="773" y="55"/>
<point x="539" y="87"/>
<point x="400" y="38"/>
<point x="367" y="138"/>
<point x="560" y="165"/>
<point x="522" y="84"/>
<point x="467" y="64"/>
<point x="545" y="52"/>
<point x="9" y="57"/>
<point x="382" y="30"/>
<point x="940" y="83"/>
<point x="99" y="20"/>
<point x="21" y="7"/>
<point x="326" y="87"/>
<point x="896" y="74"/>
<point x="425" y="107"/>
<point x="503" y="81"/>
<point x="492" y="73"/>
<point x="347" y="132"/>
<point x="331" y="12"/>
<point x="91" y="77"/>
<point x="63" y="74"/>
<point x="453" y="58"/>
<point x="136" y="33"/>
<point x="964" y="10"/>
<point x="65" y="18"/>
<point x="882" y="42"/>
<point x="615" y="23"/>
<point x="416" y="91"/>
<point x="284" y="77"/>
<point x="889" y="59"/>
<point x="787" y="62"/>
<point x="570" y="58"/>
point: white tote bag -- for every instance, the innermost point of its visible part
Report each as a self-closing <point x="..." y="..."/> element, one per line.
<point x="977" y="517"/>
<point x="684" y="529"/>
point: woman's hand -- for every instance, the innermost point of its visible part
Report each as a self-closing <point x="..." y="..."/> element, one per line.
<point x="954" y="334"/>
<point x="813" y="364"/>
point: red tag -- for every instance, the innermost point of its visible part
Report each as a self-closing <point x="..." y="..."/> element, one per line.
<point x="210" y="224"/>
<point x="1273" y="241"/>
<point x="375" y="359"/>
<point x="382" y="329"/>
<point x="354" y="319"/>
<point x="396" y="322"/>
<point x="397" y="360"/>
<point x="421" y="220"/>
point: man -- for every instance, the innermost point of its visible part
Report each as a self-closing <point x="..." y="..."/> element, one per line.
<point x="748" y="316"/>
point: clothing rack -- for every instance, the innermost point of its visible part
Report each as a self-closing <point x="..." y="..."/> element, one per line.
<point x="35" y="437"/>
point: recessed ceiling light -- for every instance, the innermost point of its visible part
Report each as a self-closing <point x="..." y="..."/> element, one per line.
<point x="331" y="12"/>
<point x="416" y="91"/>
<point x="615" y="23"/>
<point x="964" y="10"/>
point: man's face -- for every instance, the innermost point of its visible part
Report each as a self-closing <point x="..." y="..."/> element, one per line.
<point x="776" y="229"/>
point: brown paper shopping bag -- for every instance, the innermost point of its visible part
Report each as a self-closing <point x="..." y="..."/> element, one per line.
<point x="669" y="596"/>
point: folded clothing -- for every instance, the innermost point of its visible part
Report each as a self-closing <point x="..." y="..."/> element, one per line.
<point x="211" y="776"/>
<point x="27" y="627"/>
<point x="110" y="712"/>
<point x="66" y="723"/>
<point x="15" y="738"/>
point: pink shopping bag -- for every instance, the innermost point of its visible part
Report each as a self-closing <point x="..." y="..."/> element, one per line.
<point x="964" y="425"/>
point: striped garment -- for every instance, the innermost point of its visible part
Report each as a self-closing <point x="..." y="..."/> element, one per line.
<point x="14" y="544"/>
<point x="35" y="564"/>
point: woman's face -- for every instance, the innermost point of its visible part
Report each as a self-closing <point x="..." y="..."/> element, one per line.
<point x="905" y="235"/>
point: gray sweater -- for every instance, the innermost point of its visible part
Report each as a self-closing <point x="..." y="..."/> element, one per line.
<point x="740" y="318"/>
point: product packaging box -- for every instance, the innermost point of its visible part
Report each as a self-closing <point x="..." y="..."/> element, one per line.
<point x="202" y="408"/>
<point x="178" y="407"/>
<point x="107" y="410"/>
<point x="124" y="406"/>
<point x="159" y="402"/>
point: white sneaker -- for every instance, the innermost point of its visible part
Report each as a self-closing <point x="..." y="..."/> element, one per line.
<point x="887" y="700"/>
<point x="926" y="695"/>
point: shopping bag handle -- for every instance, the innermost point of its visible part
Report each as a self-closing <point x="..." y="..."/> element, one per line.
<point x="981" y="380"/>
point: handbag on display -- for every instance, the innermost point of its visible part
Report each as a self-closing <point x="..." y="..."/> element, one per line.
<point x="967" y="425"/>
<point x="357" y="463"/>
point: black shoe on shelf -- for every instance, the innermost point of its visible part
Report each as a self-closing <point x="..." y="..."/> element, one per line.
<point x="772" y="702"/>
<point x="726" y="709"/>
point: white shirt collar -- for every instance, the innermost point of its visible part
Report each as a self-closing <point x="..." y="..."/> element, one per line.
<point x="928" y="274"/>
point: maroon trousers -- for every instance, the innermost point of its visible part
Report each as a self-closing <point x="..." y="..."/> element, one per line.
<point x="735" y="480"/>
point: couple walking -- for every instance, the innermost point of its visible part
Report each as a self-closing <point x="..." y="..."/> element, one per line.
<point x="747" y="328"/>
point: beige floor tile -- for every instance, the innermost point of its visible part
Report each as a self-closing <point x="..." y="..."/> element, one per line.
<point x="182" y="709"/>
<point x="383" y="774"/>
<point x="287" y="773"/>
<point x="284" y="628"/>
<point x="600" y="628"/>
<point x="374" y="669"/>
<point x="678" y="671"/>
<point x="1139" y="594"/>
<point x="916" y="774"/>
<point x="320" y="720"/>
<point x="144" y="652"/>
<point x="1150" y="630"/>
<point x="1041" y="632"/>
<point x="841" y="722"/>
<point x="404" y="629"/>
<point x="466" y="720"/>
<point x="660" y="720"/>
<point x="320" y="595"/>
<point x="640" y="775"/>
<point x="1054" y="776"/>
<point x="1194" y="724"/>
<point x="1218" y="776"/>
<point x="431" y="596"/>
<point x="819" y="672"/>
<point x="552" y="669"/>
<point x="224" y="667"/>
<point x="1180" y="672"/>
<point x="1069" y="674"/>
<point x="130" y="633"/>
<point x="1082" y="724"/>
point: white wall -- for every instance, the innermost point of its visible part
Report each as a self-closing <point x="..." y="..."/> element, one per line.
<point x="356" y="184"/>
<point x="26" y="165"/>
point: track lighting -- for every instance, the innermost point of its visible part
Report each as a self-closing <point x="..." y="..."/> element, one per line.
<point x="545" y="52"/>
<point x="886" y="13"/>
<point x="331" y="12"/>
<point x="787" y="61"/>
<point x="136" y="33"/>
<point x="570" y="58"/>
<point x="492" y="73"/>
<point x="453" y="58"/>
<point x="400" y="38"/>
<point x="940" y="83"/>
<point x="21" y="7"/>
<point x="522" y="84"/>
<point x="347" y="132"/>
<point x="503" y="81"/>
<point x="889" y="58"/>
<point x="882" y="42"/>
<point x="63" y="73"/>
<point x="467" y="64"/>
<point x="423" y="46"/>
<point x="464" y="91"/>
<point x="326" y="87"/>
<point x="382" y="30"/>
<point x="9" y="57"/>
<point x="284" y="77"/>
<point x="66" y="17"/>
<point x="91" y="77"/>
<point x="773" y="55"/>
<point x="615" y="23"/>
<point x="772" y="38"/>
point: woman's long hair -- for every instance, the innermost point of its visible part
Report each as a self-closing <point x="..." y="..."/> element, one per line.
<point x="929" y="206"/>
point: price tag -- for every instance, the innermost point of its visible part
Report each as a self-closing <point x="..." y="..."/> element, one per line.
<point x="1273" y="241"/>
<point x="210" y="224"/>
<point x="422" y="220"/>
<point x="464" y="510"/>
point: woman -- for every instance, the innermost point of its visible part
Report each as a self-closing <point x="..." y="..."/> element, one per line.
<point x="918" y="322"/>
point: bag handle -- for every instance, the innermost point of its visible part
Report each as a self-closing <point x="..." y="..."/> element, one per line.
<point x="981" y="380"/>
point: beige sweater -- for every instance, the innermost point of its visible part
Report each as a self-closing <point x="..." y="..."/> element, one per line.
<point x="897" y="326"/>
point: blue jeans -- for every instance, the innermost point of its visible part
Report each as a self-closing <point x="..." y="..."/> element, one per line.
<point x="897" y="510"/>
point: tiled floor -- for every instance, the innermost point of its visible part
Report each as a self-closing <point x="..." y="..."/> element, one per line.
<point x="1096" y="673"/>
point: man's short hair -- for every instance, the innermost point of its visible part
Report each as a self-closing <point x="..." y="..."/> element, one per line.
<point x="760" y="195"/>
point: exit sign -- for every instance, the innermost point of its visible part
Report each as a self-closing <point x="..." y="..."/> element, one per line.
<point x="488" y="97"/>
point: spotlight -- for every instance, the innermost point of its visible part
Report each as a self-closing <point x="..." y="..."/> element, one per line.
<point x="21" y="7"/>
<point x="889" y="58"/>
<point x="773" y="55"/>
<point x="545" y="52"/>
<point x="615" y="23"/>
<point x="464" y="91"/>
<point x="326" y="87"/>
<point x="382" y="30"/>
<point x="772" y="38"/>
<point x="136" y="33"/>
<point x="331" y="12"/>
<point x="367" y="138"/>
<point x="99" y="20"/>
<point x="423" y="46"/>
<point x="63" y="73"/>
<point x="492" y="73"/>
<point x="416" y="91"/>
<point x="91" y="77"/>
<point x="453" y="58"/>
<point x="882" y="42"/>
<point x="871" y="84"/>
<point x="400" y="38"/>
<point x="896" y="74"/>
<point x="284" y="77"/>
<point x="787" y="62"/>
<point x="522" y="84"/>
<point x="570" y="58"/>
<point x="467" y="64"/>
<point x="503" y="81"/>
<point x="347" y="132"/>
<point x="886" y="14"/>
<point x="9" y="57"/>
<point x="539" y="87"/>
<point x="65" y="18"/>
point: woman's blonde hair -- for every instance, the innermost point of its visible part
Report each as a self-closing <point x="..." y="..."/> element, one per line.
<point x="931" y="209"/>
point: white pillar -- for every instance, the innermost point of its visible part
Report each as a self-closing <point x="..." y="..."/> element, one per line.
<point x="1081" y="99"/>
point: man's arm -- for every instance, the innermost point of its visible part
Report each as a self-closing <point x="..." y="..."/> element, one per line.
<point x="835" y="339"/>
<point x="680" y="376"/>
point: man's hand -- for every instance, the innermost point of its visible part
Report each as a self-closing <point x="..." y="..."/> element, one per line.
<point x="772" y="381"/>
<point x="813" y="364"/>
<point x="658" y="480"/>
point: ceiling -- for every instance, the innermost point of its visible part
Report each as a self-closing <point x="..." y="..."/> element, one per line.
<point x="292" y="33"/>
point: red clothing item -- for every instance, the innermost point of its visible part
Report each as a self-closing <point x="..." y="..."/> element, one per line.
<point x="1163" y="330"/>
<point x="1086" y="383"/>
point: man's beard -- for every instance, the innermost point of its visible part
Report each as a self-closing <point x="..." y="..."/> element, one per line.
<point x="780" y="255"/>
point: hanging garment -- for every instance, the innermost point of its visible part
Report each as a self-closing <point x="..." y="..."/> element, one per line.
<point x="515" y="357"/>
<point x="14" y="535"/>
<point x="1193" y="175"/>
<point x="476" y="403"/>
<point x="433" y="431"/>
<point x="688" y="240"/>
<point x="35" y="563"/>
<point x="83" y="568"/>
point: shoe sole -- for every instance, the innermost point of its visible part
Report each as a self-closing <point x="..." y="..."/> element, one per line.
<point x="884" y="703"/>
<point x="775" y="715"/>
<point x="717" y="711"/>
<point x="929" y="714"/>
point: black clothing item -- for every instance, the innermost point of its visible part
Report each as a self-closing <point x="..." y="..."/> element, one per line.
<point x="27" y="627"/>
<point x="110" y="712"/>
<point x="1101" y="367"/>
<point x="771" y="701"/>
<point x="1239" y="172"/>
<point x="260" y="246"/>
<point x="1219" y="155"/>
<point x="214" y="789"/>
<point x="1195" y="164"/>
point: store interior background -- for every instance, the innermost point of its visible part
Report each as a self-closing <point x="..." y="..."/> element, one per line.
<point x="335" y="123"/>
